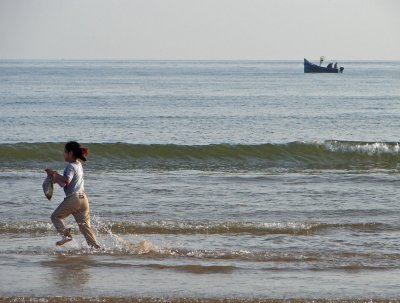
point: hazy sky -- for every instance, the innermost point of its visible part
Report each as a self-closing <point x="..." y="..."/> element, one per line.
<point x="200" y="29"/>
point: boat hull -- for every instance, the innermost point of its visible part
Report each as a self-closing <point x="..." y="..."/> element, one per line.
<point x="312" y="68"/>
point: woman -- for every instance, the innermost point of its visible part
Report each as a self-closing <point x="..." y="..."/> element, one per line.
<point x="75" y="203"/>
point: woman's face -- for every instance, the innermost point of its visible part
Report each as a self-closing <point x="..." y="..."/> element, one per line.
<point x="68" y="156"/>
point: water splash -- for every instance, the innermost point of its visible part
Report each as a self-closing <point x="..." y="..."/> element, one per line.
<point x="118" y="242"/>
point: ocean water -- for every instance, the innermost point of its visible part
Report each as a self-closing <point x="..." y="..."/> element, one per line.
<point x="211" y="181"/>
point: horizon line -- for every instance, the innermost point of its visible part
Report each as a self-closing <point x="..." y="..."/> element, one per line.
<point x="193" y="59"/>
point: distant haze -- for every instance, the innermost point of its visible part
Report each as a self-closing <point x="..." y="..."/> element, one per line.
<point x="200" y="29"/>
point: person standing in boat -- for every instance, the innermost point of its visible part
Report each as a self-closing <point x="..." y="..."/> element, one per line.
<point x="335" y="66"/>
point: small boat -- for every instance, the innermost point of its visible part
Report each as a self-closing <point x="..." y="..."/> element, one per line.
<point x="313" y="68"/>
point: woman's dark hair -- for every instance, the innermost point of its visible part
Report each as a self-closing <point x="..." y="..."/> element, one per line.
<point x="78" y="151"/>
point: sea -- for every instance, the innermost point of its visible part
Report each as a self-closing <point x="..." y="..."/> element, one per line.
<point x="208" y="181"/>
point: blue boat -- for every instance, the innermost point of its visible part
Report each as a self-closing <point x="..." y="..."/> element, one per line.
<point x="313" y="68"/>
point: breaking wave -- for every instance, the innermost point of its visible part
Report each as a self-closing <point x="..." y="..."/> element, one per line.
<point x="191" y="228"/>
<point x="295" y="155"/>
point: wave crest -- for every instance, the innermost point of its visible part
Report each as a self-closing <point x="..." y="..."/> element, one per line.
<point x="295" y="155"/>
<point x="173" y="227"/>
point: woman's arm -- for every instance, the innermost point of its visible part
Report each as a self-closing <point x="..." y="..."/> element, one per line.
<point x="57" y="178"/>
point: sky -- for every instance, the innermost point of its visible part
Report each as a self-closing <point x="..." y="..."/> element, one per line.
<point x="200" y="29"/>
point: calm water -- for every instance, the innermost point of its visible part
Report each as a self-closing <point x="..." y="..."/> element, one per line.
<point x="224" y="179"/>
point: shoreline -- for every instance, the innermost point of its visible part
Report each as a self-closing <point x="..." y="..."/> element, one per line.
<point x="57" y="299"/>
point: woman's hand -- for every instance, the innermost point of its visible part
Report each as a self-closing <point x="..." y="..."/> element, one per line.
<point x="57" y="178"/>
<point x="50" y="172"/>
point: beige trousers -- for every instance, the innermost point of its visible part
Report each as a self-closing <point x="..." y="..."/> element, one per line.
<point x="77" y="205"/>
